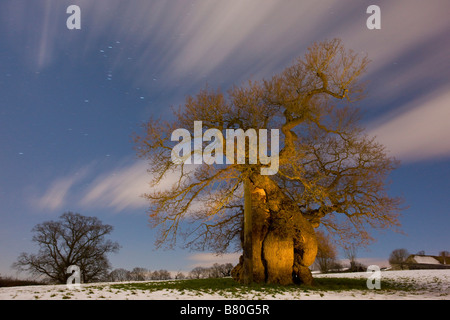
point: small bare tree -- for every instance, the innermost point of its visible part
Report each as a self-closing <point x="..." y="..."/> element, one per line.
<point x="72" y="240"/>
<point x="139" y="274"/>
<point x="198" y="273"/>
<point x="119" y="274"/>
<point x="164" y="274"/>
<point x="397" y="258"/>
<point x="350" y="253"/>
<point x="444" y="254"/>
<point x="326" y="253"/>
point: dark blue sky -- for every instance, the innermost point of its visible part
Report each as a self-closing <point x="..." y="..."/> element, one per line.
<point x="71" y="99"/>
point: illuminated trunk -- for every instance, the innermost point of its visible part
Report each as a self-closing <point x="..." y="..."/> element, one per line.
<point x="276" y="256"/>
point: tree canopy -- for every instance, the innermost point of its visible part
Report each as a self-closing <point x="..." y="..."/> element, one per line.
<point x="330" y="172"/>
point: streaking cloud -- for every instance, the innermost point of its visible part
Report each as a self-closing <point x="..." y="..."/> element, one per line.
<point x="119" y="189"/>
<point x="419" y="130"/>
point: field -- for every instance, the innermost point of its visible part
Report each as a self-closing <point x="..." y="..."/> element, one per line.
<point x="409" y="285"/>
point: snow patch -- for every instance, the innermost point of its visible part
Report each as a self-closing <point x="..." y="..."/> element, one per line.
<point x="427" y="284"/>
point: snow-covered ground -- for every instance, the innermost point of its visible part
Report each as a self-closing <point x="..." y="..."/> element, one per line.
<point x="426" y="284"/>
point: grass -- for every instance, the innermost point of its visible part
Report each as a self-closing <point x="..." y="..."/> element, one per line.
<point x="229" y="287"/>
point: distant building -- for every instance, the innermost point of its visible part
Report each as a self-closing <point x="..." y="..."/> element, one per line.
<point x="416" y="261"/>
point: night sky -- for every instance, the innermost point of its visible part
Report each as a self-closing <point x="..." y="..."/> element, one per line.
<point x="70" y="101"/>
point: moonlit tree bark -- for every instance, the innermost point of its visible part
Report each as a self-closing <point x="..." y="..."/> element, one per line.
<point x="330" y="173"/>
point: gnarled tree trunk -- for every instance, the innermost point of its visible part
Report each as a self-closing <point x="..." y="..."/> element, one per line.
<point x="279" y="255"/>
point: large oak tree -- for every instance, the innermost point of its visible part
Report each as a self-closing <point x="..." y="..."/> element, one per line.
<point x="330" y="173"/>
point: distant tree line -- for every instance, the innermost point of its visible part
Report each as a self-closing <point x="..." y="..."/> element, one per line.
<point x="215" y="271"/>
<point x="142" y="274"/>
<point x="137" y="274"/>
<point x="326" y="258"/>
